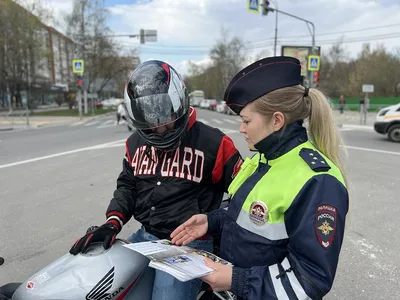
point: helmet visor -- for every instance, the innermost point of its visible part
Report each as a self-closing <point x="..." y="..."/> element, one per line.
<point x="153" y="111"/>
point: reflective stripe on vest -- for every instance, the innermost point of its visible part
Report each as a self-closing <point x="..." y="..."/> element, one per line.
<point x="263" y="211"/>
<point x="274" y="232"/>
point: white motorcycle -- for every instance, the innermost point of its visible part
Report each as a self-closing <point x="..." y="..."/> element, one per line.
<point x="97" y="274"/>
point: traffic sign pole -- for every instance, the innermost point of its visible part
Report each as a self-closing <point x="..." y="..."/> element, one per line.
<point x="78" y="67"/>
<point x="80" y="103"/>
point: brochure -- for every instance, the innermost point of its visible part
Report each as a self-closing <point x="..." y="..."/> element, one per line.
<point x="182" y="262"/>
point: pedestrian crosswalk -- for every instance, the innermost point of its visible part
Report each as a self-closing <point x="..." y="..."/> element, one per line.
<point x="108" y="123"/>
<point x="225" y="124"/>
<point x="105" y="123"/>
<point x="216" y="122"/>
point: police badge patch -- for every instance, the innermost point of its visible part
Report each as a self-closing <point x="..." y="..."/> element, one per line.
<point x="258" y="213"/>
<point x="325" y="224"/>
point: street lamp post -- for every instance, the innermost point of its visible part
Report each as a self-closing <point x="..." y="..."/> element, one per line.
<point x="312" y="31"/>
<point x="276" y="26"/>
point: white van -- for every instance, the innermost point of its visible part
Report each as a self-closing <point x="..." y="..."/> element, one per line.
<point x="388" y="122"/>
<point x="196" y="97"/>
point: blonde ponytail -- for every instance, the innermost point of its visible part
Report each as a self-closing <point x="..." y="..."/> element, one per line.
<point x="323" y="131"/>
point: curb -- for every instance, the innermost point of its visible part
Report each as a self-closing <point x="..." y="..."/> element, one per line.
<point x="19" y="128"/>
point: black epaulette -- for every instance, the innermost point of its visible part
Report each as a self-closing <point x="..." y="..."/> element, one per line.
<point x="316" y="162"/>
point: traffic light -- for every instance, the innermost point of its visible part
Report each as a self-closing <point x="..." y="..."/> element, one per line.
<point x="265" y="7"/>
<point x="316" y="79"/>
<point x="79" y="81"/>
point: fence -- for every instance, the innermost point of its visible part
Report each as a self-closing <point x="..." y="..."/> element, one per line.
<point x="375" y="104"/>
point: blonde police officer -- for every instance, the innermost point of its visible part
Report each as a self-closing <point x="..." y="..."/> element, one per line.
<point x="283" y="229"/>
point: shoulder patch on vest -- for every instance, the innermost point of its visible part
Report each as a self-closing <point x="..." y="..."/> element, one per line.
<point x="315" y="161"/>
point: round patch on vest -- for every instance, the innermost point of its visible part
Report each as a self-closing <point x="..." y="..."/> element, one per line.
<point x="258" y="213"/>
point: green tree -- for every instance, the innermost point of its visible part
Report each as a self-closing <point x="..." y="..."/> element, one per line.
<point x="103" y="57"/>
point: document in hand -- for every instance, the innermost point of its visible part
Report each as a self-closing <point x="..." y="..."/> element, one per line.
<point x="182" y="262"/>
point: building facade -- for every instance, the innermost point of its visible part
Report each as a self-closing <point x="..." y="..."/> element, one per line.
<point x="43" y="69"/>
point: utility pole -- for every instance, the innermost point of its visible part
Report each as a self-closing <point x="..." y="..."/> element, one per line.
<point x="266" y="8"/>
<point x="7" y="83"/>
<point x="276" y="31"/>
<point x="276" y="25"/>
<point x="28" y="94"/>
<point x="264" y="11"/>
<point x="83" y="56"/>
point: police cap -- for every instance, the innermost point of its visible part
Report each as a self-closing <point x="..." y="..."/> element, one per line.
<point x="260" y="78"/>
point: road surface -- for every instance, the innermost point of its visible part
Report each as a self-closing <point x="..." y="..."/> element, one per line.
<point x="57" y="181"/>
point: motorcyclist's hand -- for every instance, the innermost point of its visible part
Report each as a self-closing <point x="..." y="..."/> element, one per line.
<point x="192" y="229"/>
<point x="105" y="233"/>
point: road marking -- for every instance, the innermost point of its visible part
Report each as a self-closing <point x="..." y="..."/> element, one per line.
<point x="108" y="123"/>
<point x="77" y="123"/>
<point x="217" y="121"/>
<point x="91" y="123"/>
<point x="100" y="146"/>
<point x="203" y="121"/>
<point x="114" y="145"/>
<point x="230" y="121"/>
<point x="359" y="127"/>
<point x="229" y="130"/>
<point x="372" y="150"/>
<point x="119" y="143"/>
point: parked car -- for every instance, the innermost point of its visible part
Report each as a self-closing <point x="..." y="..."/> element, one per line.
<point x="196" y="97"/>
<point x="205" y="103"/>
<point x="388" y="122"/>
<point x="212" y="104"/>
<point x="223" y="108"/>
<point x="111" y="103"/>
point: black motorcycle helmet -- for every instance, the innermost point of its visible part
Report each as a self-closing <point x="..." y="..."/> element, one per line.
<point x="156" y="98"/>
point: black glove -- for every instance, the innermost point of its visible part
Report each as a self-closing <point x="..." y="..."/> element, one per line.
<point x="106" y="232"/>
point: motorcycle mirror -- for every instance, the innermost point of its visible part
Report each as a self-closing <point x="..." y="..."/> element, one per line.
<point x="1" y="261"/>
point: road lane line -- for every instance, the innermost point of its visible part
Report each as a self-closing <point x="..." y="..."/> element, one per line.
<point x="203" y="121"/>
<point x="217" y="121"/>
<point x="108" y="123"/>
<point x="17" y="163"/>
<point x="372" y="150"/>
<point x="119" y="143"/>
<point x="230" y="121"/>
<point x="92" y="123"/>
<point x="77" y="123"/>
<point x="358" y="127"/>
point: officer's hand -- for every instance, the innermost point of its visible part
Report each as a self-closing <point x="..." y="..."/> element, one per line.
<point x="221" y="279"/>
<point x="107" y="233"/>
<point x="192" y="229"/>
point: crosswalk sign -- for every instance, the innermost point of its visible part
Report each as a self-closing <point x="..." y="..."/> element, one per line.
<point x="78" y="66"/>
<point x="314" y="62"/>
<point x="253" y="6"/>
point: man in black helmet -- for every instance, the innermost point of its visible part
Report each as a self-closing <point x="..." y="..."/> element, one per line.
<point x="174" y="167"/>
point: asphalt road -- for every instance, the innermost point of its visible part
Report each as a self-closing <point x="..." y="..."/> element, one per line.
<point x="57" y="181"/>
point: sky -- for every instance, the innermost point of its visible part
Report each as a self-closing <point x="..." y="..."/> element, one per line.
<point x="188" y="29"/>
